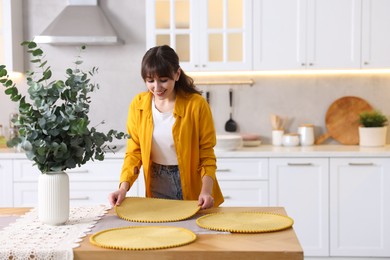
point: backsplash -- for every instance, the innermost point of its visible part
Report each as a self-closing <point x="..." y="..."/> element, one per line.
<point x="300" y="98"/>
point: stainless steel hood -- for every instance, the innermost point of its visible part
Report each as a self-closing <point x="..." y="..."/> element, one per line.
<point x="81" y="22"/>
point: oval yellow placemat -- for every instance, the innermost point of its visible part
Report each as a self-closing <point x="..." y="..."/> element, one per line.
<point x="150" y="210"/>
<point x="142" y="237"/>
<point x="245" y="222"/>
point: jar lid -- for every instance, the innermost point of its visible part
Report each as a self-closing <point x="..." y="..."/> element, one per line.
<point x="291" y="134"/>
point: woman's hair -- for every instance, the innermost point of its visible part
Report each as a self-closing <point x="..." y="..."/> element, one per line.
<point x="162" y="61"/>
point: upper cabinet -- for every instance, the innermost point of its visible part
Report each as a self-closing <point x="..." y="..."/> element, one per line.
<point x="375" y="34"/>
<point x="11" y="35"/>
<point x="208" y="35"/>
<point x="228" y="35"/>
<point x="306" y="34"/>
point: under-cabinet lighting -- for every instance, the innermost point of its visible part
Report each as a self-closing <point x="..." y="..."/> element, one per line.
<point x="288" y="72"/>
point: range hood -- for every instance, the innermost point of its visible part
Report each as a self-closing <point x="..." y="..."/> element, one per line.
<point x="81" y="22"/>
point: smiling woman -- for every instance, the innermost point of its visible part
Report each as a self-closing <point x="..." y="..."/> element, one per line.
<point x="173" y="136"/>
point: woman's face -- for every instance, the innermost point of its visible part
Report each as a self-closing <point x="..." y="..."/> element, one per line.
<point x="162" y="87"/>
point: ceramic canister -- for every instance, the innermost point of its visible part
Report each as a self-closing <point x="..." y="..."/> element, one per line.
<point x="306" y="134"/>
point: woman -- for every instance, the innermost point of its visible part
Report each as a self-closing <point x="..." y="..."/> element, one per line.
<point x="172" y="136"/>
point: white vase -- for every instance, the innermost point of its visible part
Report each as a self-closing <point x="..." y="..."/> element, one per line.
<point x="372" y="136"/>
<point x="53" y="198"/>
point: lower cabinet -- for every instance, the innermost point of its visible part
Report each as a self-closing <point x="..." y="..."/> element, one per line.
<point x="360" y="207"/>
<point x="89" y="185"/>
<point x="300" y="185"/>
<point x="5" y="181"/>
<point x="243" y="181"/>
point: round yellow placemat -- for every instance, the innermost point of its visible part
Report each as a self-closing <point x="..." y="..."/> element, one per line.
<point x="150" y="210"/>
<point x="142" y="237"/>
<point x="245" y="222"/>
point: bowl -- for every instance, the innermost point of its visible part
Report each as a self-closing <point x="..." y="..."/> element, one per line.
<point x="228" y="142"/>
<point x="291" y="139"/>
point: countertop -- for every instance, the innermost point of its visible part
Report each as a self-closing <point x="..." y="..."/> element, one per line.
<point x="265" y="151"/>
<point x="281" y="245"/>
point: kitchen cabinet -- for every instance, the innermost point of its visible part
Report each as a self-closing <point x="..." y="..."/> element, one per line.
<point x="5" y="180"/>
<point x="301" y="186"/>
<point x="11" y="35"/>
<point x="306" y="34"/>
<point x="243" y="181"/>
<point x="208" y="35"/>
<point x="375" y="36"/>
<point x="89" y="185"/>
<point x="360" y="207"/>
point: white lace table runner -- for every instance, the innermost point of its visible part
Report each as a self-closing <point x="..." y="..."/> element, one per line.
<point x="27" y="238"/>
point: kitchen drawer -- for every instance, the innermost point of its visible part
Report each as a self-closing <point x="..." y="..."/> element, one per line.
<point x="242" y="168"/>
<point x="81" y="193"/>
<point x="244" y="193"/>
<point x="107" y="170"/>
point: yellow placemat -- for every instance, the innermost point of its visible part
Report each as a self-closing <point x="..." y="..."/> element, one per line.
<point x="149" y="210"/>
<point x="245" y="222"/>
<point x="142" y="237"/>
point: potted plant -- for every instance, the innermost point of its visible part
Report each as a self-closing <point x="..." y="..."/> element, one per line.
<point x="54" y="128"/>
<point x="372" y="129"/>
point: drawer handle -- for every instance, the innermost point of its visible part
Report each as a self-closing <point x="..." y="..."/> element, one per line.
<point x="299" y="164"/>
<point x="360" y="164"/>
<point x="223" y="170"/>
<point x="78" y="171"/>
<point x="80" y="198"/>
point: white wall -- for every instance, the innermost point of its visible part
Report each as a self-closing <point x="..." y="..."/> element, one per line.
<point x="303" y="99"/>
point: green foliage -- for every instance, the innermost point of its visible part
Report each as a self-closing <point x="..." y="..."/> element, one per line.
<point x="54" y="126"/>
<point x="372" y="119"/>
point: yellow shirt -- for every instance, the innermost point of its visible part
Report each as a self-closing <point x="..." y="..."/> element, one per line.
<point x="194" y="137"/>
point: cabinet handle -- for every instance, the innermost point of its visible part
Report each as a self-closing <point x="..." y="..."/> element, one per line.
<point x="203" y="65"/>
<point x="366" y="63"/>
<point x="311" y="64"/>
<point x="196" y="65"/>
<point x="303" y="64"/>
<point x="79" y="198"/>
<point x="360" y="164"/>
<point x="78" y="171"/>
<point x="223" y="170"/>
<point x="299" y="164"/>
<point x="227" y="197"/>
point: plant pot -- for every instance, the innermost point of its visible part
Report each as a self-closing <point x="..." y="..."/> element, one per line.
<point x="53" y="198"/>
<point x="372" y="136"/>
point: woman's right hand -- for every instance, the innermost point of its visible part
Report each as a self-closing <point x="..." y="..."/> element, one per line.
<point x="115" y="198"/>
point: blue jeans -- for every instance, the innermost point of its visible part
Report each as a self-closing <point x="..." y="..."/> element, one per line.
<point x="165" y="182"/>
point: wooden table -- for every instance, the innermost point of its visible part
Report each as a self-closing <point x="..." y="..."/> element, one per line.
<point x="281" y="245"/>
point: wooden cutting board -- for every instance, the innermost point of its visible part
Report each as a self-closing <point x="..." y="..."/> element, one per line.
<point x="342" y="120"/>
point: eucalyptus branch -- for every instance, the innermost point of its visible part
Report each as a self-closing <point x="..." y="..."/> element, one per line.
<point x="54" y="127"/>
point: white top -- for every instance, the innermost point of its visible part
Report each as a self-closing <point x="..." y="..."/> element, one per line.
<point x="163" y="146"/>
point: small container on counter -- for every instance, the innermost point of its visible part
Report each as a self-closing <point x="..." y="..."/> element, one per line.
<point x="277" y="137"/>
<point x="291" y="139"/>
<point x="306" y="134"/>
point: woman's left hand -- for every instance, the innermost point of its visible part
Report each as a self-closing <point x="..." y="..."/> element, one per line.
<point x="205" y="201"/>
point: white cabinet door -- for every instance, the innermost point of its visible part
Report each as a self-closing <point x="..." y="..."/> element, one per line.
<point x="206" y="34"/>
<point x="360" y="207"/>
<point x="6" y="188"/>
<point x="243" y="181"/>
<point x="375" y="34"/>
<point x="300" y="185"/>
<point x="244" y="193"/>
<point x="307" y="34"/>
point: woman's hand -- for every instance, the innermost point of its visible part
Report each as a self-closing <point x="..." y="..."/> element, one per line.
<point x="205" y="201"/>
<point x="115" y="198"/>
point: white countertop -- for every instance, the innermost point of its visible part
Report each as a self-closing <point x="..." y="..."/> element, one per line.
<point x="266" y="151"/>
